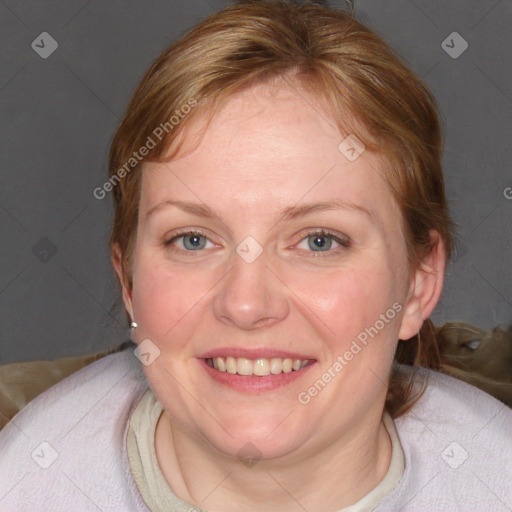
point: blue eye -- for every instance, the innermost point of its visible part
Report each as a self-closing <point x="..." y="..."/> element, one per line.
<point x="189" y="241"/>
<point x="194" y="242"/>
<point x="322" y="241"/>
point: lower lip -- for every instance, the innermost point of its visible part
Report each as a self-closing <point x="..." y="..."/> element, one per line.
<point x="253" y="383"/>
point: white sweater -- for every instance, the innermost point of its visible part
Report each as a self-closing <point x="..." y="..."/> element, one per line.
<point x="66" y="450"/>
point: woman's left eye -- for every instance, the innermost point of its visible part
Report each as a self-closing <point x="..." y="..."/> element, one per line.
<point x="322" y="241"/>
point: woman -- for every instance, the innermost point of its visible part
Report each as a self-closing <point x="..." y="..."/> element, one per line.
<point x="280" y="225"/>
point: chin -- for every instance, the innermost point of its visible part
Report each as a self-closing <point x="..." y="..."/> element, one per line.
<point x="268" y="437"/>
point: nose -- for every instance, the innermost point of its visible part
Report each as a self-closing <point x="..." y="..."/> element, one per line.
<point x="251" y="296"/>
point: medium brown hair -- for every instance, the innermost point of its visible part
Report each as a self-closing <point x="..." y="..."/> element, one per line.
<point x="346" y="66"/>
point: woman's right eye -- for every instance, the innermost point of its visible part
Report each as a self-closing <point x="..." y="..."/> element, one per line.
<point x="189" y="241"/>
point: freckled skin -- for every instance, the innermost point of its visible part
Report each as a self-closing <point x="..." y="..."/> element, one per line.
<point x="268" y="149"/>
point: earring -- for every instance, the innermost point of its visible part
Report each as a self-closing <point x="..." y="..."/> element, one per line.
<point x="133" y="326"/>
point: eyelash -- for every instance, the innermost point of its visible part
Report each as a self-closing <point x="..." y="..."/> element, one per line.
<point x="180" y="234"/>
<point x="344" y="243"/>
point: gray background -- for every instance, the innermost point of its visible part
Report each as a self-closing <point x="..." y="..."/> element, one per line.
<point x="58" y="296"/>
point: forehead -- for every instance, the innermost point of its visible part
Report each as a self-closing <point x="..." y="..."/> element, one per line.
<point x="269" y="145"/>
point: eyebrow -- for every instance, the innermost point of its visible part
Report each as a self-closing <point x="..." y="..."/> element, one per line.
<point x="289" y="213"/>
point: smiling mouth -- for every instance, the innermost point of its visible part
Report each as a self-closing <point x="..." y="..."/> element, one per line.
<point x="260" y="367"/>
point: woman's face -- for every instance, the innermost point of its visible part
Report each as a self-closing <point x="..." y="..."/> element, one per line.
<point x="268" y="245"/>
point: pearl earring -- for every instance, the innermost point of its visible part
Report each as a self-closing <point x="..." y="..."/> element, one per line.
<point x="133" y="326"/>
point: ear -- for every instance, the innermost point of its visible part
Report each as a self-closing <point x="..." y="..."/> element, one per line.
<point x="117" y="263"/>
<point x="425" y="289"/>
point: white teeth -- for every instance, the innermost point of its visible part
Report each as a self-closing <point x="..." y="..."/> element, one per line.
<point x="245" y="366"/>
<point x="260" y="367"/>
<point x="276" y="365"/>
<point x="231" y="365"/>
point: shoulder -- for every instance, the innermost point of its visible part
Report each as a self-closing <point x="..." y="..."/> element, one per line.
<point x="80" y="393"/>
<point x="457" y="444"/>
<point x="456" y="407"/>
<point x="71" y="438"/>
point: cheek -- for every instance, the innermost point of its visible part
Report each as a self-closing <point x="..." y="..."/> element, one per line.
<point x="349" y="299"/>
<point x="362" y="309"/>
<point x="166" y="301"/>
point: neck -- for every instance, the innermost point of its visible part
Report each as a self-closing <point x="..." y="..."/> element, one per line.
<point x="335" y="477"/>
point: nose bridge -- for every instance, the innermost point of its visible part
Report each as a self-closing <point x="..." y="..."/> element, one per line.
<point x="250" y="295"/>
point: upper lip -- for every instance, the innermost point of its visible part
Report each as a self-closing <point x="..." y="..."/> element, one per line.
<point x="253" y="353"/>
